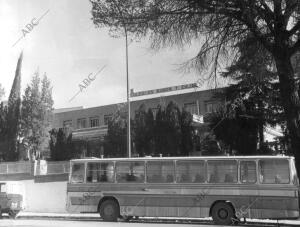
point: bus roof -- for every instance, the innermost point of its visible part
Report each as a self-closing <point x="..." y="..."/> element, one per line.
<point x="92" y="159"/>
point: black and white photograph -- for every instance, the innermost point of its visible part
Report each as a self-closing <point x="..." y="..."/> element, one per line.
<point x="149" y="113"/>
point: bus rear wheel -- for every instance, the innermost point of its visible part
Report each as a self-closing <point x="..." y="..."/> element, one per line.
<point x="109" y="210"/>
<point x="222" y="213"/>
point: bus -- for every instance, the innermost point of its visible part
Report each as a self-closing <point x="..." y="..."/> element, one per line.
<point x="225" y="188"/>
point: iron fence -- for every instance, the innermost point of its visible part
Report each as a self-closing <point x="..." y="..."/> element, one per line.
<point x="15" y="167"/>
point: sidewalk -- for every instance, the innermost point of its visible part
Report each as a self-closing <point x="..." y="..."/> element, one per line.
<point x="281" y="222"/>
<point x="81" y="216"/>
<point x="95" y="216"/>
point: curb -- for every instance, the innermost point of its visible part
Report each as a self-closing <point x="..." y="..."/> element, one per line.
<point x="94" y="218"/>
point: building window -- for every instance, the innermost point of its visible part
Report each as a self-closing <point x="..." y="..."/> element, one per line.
<point x="94" y="122"/>
<point x="191" y="107"/>
<point x="107" y="118"/>
<point x="210" y="107"/>
<point x="81" y="123"/>
<point x="67" y="124"/>
<point x="154" y="111"/>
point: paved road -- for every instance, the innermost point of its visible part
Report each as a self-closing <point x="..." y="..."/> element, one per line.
<point x="62" y="223"/>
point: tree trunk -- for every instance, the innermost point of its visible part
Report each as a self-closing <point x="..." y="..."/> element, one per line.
<point x="261" y="137"/>
<point x="289" y="92"/>
<point x="261" y="122"/>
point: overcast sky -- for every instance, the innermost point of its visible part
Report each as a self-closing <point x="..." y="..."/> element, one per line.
<point x="67" y="47"/>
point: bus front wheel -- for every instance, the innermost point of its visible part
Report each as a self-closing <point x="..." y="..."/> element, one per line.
<point x="12" y="214"/>
<point x="109" y="210"/>
<point x="222" y="213"/>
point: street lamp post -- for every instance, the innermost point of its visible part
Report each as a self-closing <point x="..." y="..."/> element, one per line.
<point x="128" y="101"/>
<point x="127" y="79"/>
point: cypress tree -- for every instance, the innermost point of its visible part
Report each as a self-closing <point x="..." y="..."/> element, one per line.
<point x="173" y="129"/>
<point x="150" y="125"/>
<point x="160" y="131"/>
<point x="13" y="118"/>
<point x="140" y="133"/>
<point x="37" y="115"/>
<point x="186" y="145"/>
<point x="3" y="130"/>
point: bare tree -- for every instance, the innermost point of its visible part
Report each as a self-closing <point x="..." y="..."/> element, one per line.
<point x="219" y="25"/>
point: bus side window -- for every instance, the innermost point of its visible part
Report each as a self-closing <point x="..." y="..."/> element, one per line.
<point x="274" y="171"/>
<point x="130" y="171"/>
<point x="160" y="171"/>
<point x="277" y="179"/>
<point x="99" y="172"/>
<point x="155" y="178"/>
<point x="213" y="178"/>
<point x="106" y="172"/>
<point x="199" y="179"/>
<point x="184" y="178"/>
<point x="248" y="172"/>
<point x="169" y="178"/>
<point x="228" y="178"/>
<point x="190" y="171"/>
<point x="222" y="171"/>
<point x="77" y="173"/>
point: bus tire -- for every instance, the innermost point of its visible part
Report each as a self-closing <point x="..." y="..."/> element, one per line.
<point x="109" y="210"/>
<point x="127" y="218"/>
<point x="222" y="213"/>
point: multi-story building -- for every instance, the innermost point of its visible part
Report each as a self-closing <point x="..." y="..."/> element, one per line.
<point x="89" y="125"/>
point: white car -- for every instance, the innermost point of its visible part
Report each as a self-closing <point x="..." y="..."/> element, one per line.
<point x="10" y="203"/>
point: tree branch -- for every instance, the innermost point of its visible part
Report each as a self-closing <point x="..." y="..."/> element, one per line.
<point x="295" y="48"/>
<point x="294" y="29"/>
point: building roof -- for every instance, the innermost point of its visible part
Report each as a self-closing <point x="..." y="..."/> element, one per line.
<point x="185" y="158"/>
<point x="61" y="110"/>
<point x="146" y="99"/>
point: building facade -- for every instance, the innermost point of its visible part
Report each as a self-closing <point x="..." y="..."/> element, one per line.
<point x="89" y="125"/>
